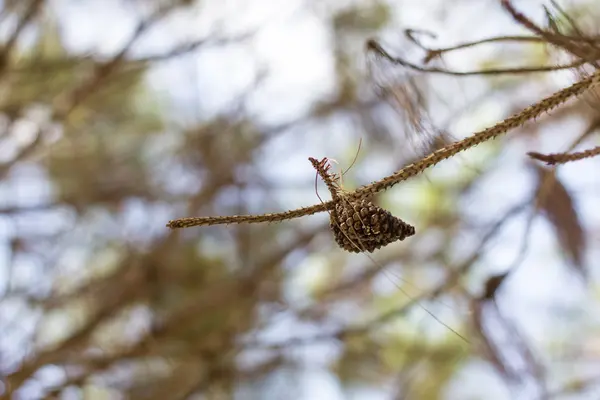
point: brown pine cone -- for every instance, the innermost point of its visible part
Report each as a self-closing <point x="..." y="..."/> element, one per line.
<point x="362" y="226"/>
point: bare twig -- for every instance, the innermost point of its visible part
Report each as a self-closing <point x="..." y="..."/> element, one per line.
<point x="379" y="50"/>
<point x="563" y="158"/>
<point x="568" y="156"/>
<point x="435" y="53"/>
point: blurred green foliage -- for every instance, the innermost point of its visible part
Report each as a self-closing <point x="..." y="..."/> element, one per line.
<point x="118" y="305"/>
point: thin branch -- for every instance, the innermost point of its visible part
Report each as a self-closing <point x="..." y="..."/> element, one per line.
<point x="567" y="17"/>
<point x="74" y="98"/>
<point x="11" y="210"/>
<point x="380" y="51"/>
<point x="563" y="158"/>
<point x="568" y="156"/>
<point x="186" y="48"/>
<point x="435" y="53"/>
<point x="250" y="219"/>
<point x="580" y="47"/>
<point x="183" y="49"/>
<point x="5" y="51"/>
<point x="502" y="127"/>
<point x="410" y="33"/>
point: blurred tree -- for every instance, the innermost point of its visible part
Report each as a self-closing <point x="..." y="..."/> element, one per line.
<point x="98" y="150"/>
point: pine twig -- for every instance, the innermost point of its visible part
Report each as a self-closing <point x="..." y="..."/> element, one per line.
<point x="512" y="122"/>
<point x="563" y="158"/>
<point x="250" y="219"/>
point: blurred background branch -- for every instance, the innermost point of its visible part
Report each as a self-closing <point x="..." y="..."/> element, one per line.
<point x="116" y="116"/>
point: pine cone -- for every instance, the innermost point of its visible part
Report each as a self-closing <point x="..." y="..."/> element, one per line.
<point x="362" y="226"/>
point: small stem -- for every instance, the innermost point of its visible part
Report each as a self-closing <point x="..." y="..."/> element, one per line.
<point x="380" y="51"/>
<point x="562" y="158"/>
<point x="250" y="219"/>
<point x="321" y="167"/>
